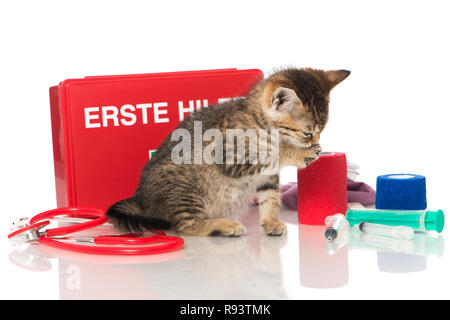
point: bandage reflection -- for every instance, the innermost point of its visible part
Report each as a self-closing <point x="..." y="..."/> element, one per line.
<point x="422" y="244"/>
<point x="399" y="255"/>
<point x="393" y="262"/>
<point x="318" y="268"/>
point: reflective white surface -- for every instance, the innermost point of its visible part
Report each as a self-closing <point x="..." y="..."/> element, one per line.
<point x="390" y="116"/>
<point x="300" y="265"/>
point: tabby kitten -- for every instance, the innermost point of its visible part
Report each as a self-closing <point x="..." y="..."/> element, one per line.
<point x="202" y="198"/>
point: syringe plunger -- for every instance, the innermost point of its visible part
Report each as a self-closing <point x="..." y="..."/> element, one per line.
<point x="397" y="232"/>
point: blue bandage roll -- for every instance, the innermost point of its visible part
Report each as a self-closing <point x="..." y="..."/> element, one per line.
<point x="401" y="191"/>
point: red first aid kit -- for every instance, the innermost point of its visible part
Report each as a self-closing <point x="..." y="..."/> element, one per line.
<point x="105" y="128"/>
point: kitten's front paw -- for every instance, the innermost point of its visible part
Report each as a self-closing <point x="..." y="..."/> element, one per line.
<point x="274" y="228"/>
<point x="231" y="228"/>
<point x="312" y="154"/>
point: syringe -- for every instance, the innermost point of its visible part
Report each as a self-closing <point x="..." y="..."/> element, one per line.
<point x="398" y="232"/>
<point x="337" y="224"/>
<point x="419" y="220"/>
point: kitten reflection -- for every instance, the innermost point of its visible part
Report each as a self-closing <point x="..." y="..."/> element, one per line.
<point x="222" y="268"/>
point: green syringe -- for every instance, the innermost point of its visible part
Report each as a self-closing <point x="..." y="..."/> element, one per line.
<point x="420" y="220"/>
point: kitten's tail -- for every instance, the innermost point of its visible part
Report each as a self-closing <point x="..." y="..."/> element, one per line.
<point x="128" y="216"/>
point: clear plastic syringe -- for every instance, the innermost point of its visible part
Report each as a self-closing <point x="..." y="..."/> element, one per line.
<point x="396" y="232"/>
<point x="337" y="224"/>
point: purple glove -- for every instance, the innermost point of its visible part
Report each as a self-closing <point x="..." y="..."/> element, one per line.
<point x="360" y="192"/>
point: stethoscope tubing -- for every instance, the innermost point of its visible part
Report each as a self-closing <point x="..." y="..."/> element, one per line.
<point x="169" y="244"/>
<point x="103" y="245"/>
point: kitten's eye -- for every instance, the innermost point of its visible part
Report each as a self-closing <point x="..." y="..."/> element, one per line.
<point x="307" y="134"/>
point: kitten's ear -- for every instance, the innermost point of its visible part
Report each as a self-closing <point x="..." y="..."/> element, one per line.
<point x="285" y="99"/>
<point x="334" y="77"/>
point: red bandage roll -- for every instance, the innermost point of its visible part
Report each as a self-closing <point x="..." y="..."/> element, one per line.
<point x="322" y="188"/>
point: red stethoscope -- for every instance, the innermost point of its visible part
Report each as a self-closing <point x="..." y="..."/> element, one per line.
<point x="127" y="244"/>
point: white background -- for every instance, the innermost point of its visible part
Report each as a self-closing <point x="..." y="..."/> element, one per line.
<point x="390" y="116"/>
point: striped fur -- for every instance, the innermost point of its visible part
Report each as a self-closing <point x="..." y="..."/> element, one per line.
<point x="206" y="199"/>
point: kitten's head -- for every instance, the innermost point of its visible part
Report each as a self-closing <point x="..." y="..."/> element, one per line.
<point x="297" y="102"/>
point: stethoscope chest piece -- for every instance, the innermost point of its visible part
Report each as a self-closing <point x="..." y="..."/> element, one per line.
<point x="29" y="233"/>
